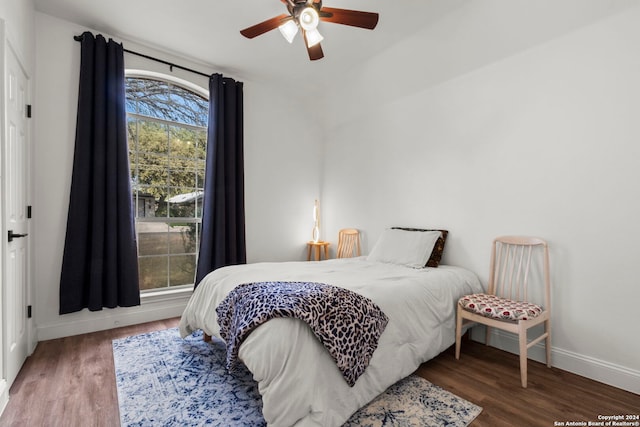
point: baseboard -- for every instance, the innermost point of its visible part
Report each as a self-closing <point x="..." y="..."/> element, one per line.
<point x="589" y="367"/>
<point x="4" y="395"/>
<point x="84" y="323"/>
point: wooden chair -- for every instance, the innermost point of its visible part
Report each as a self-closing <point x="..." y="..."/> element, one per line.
<point x="517" y="264"/>
<point x="348" y="243"/>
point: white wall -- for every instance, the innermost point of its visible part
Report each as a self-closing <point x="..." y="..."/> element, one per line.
<point x="543" y="142"/>
<point x="281" y="179"/>
<point x="19" y="27"/>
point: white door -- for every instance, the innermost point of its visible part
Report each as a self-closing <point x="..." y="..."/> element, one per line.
<point x="15" y="228"/>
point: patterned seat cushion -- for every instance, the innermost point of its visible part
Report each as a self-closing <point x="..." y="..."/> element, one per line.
<point x="495" y="307"/>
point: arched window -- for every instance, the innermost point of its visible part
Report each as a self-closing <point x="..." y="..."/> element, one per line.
<point x="167" y="131"/>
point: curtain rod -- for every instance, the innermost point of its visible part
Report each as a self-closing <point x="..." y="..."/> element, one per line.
<point x="162" y="61"/>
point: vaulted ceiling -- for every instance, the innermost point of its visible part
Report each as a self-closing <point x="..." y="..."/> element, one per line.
<point x="208" y="31"/>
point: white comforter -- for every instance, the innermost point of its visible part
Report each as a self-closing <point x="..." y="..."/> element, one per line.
<point x="299" y="382"/>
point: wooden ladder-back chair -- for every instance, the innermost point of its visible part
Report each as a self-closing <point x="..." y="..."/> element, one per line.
<point x="517" y="265"/>
<point x="348" y="243"/>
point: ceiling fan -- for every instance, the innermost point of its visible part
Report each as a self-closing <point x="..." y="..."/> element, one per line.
<point x="305" y="15"/>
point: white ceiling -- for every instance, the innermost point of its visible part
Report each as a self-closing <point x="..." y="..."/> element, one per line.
<point x="208" y="30"/>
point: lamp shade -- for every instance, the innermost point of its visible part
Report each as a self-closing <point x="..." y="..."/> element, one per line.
<point x="289" y="30"/>
<point x="313" y="37"/>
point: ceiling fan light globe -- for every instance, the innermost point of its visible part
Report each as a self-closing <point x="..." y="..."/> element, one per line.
<point x="309" y="19"/>
<point x="313" y="38"/>
<point x="289" y="30"/>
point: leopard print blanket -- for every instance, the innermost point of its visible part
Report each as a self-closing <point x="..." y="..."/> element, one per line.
<point x="346" y="323"/>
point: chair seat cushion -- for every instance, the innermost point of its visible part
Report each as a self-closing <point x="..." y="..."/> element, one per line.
<point x="498" y="308"/>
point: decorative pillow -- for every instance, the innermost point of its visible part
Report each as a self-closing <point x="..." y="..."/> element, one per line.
<point x="438" y="249"/>
<point x="404" y="247"/>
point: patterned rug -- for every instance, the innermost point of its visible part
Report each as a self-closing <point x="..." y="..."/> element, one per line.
<point x="163" y="380"/>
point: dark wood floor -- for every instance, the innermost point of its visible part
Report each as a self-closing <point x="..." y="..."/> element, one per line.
<point x="71" y="382"/>
<point x="490" y="378"/>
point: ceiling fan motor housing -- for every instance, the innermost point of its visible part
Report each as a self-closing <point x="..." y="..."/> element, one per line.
<point x="296" y="7"/>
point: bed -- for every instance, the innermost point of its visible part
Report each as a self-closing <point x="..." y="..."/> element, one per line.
<point x="299" y="382"/>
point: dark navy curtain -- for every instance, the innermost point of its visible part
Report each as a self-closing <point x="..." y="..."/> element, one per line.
<point x="223" y="225"/>
<point x="100" y="263"/>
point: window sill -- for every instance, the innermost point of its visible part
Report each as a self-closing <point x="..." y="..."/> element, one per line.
<point x="166" y="295"/>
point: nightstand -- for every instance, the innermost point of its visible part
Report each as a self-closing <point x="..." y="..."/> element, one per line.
<point x="317" y="248"/>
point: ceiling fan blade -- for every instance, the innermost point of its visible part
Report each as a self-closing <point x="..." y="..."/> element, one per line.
<point x="263" y="27"/>
<point x="315" y="51"/>
<point x="355" y="18"/>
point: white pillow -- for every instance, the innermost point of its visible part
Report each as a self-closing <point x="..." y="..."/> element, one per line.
<point x="410" y="248"/>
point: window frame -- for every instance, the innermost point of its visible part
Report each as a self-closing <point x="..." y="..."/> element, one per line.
<point x="159" y="293"/>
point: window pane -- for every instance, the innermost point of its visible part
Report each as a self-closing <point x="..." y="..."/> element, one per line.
<point x="200" y="139"/>
<point x="153" y="272"/>
<point x="198" y="236"/>
<point x="184" y="157"/>
<point x="153" y="238"/>
<point x="145" y="204"/>
<point x="200" y="175"/>
<point x="148" y="97"/>
<point x="183" y="270"/>
<point x="182" y="202"/>
<point x="153" y="137"/>
<point x="166" y="101"/>
<point x="154" y="199"/>
<point x="194" y="109"/>
<point x="182" y="239"/>
<point x="152" y="169"/>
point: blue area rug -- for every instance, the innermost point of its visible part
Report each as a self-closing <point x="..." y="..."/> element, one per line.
<point x="163" y="380"/>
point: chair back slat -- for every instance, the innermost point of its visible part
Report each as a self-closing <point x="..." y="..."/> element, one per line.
<point x="514" y="265"/>
<point x="525" y="276"/>
<point x="520" y="280"/>
<point x="348" y="243"/>
<point x="501" y="265"/>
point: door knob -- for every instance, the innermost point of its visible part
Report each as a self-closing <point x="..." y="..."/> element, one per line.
<point x="13" y="235"/>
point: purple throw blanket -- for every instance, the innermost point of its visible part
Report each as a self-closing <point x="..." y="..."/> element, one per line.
<point x="346" y="323"/>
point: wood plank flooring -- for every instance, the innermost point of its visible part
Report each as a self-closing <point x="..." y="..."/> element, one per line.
<point x="490" y="378"/>
<point x="71" y="382"/>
